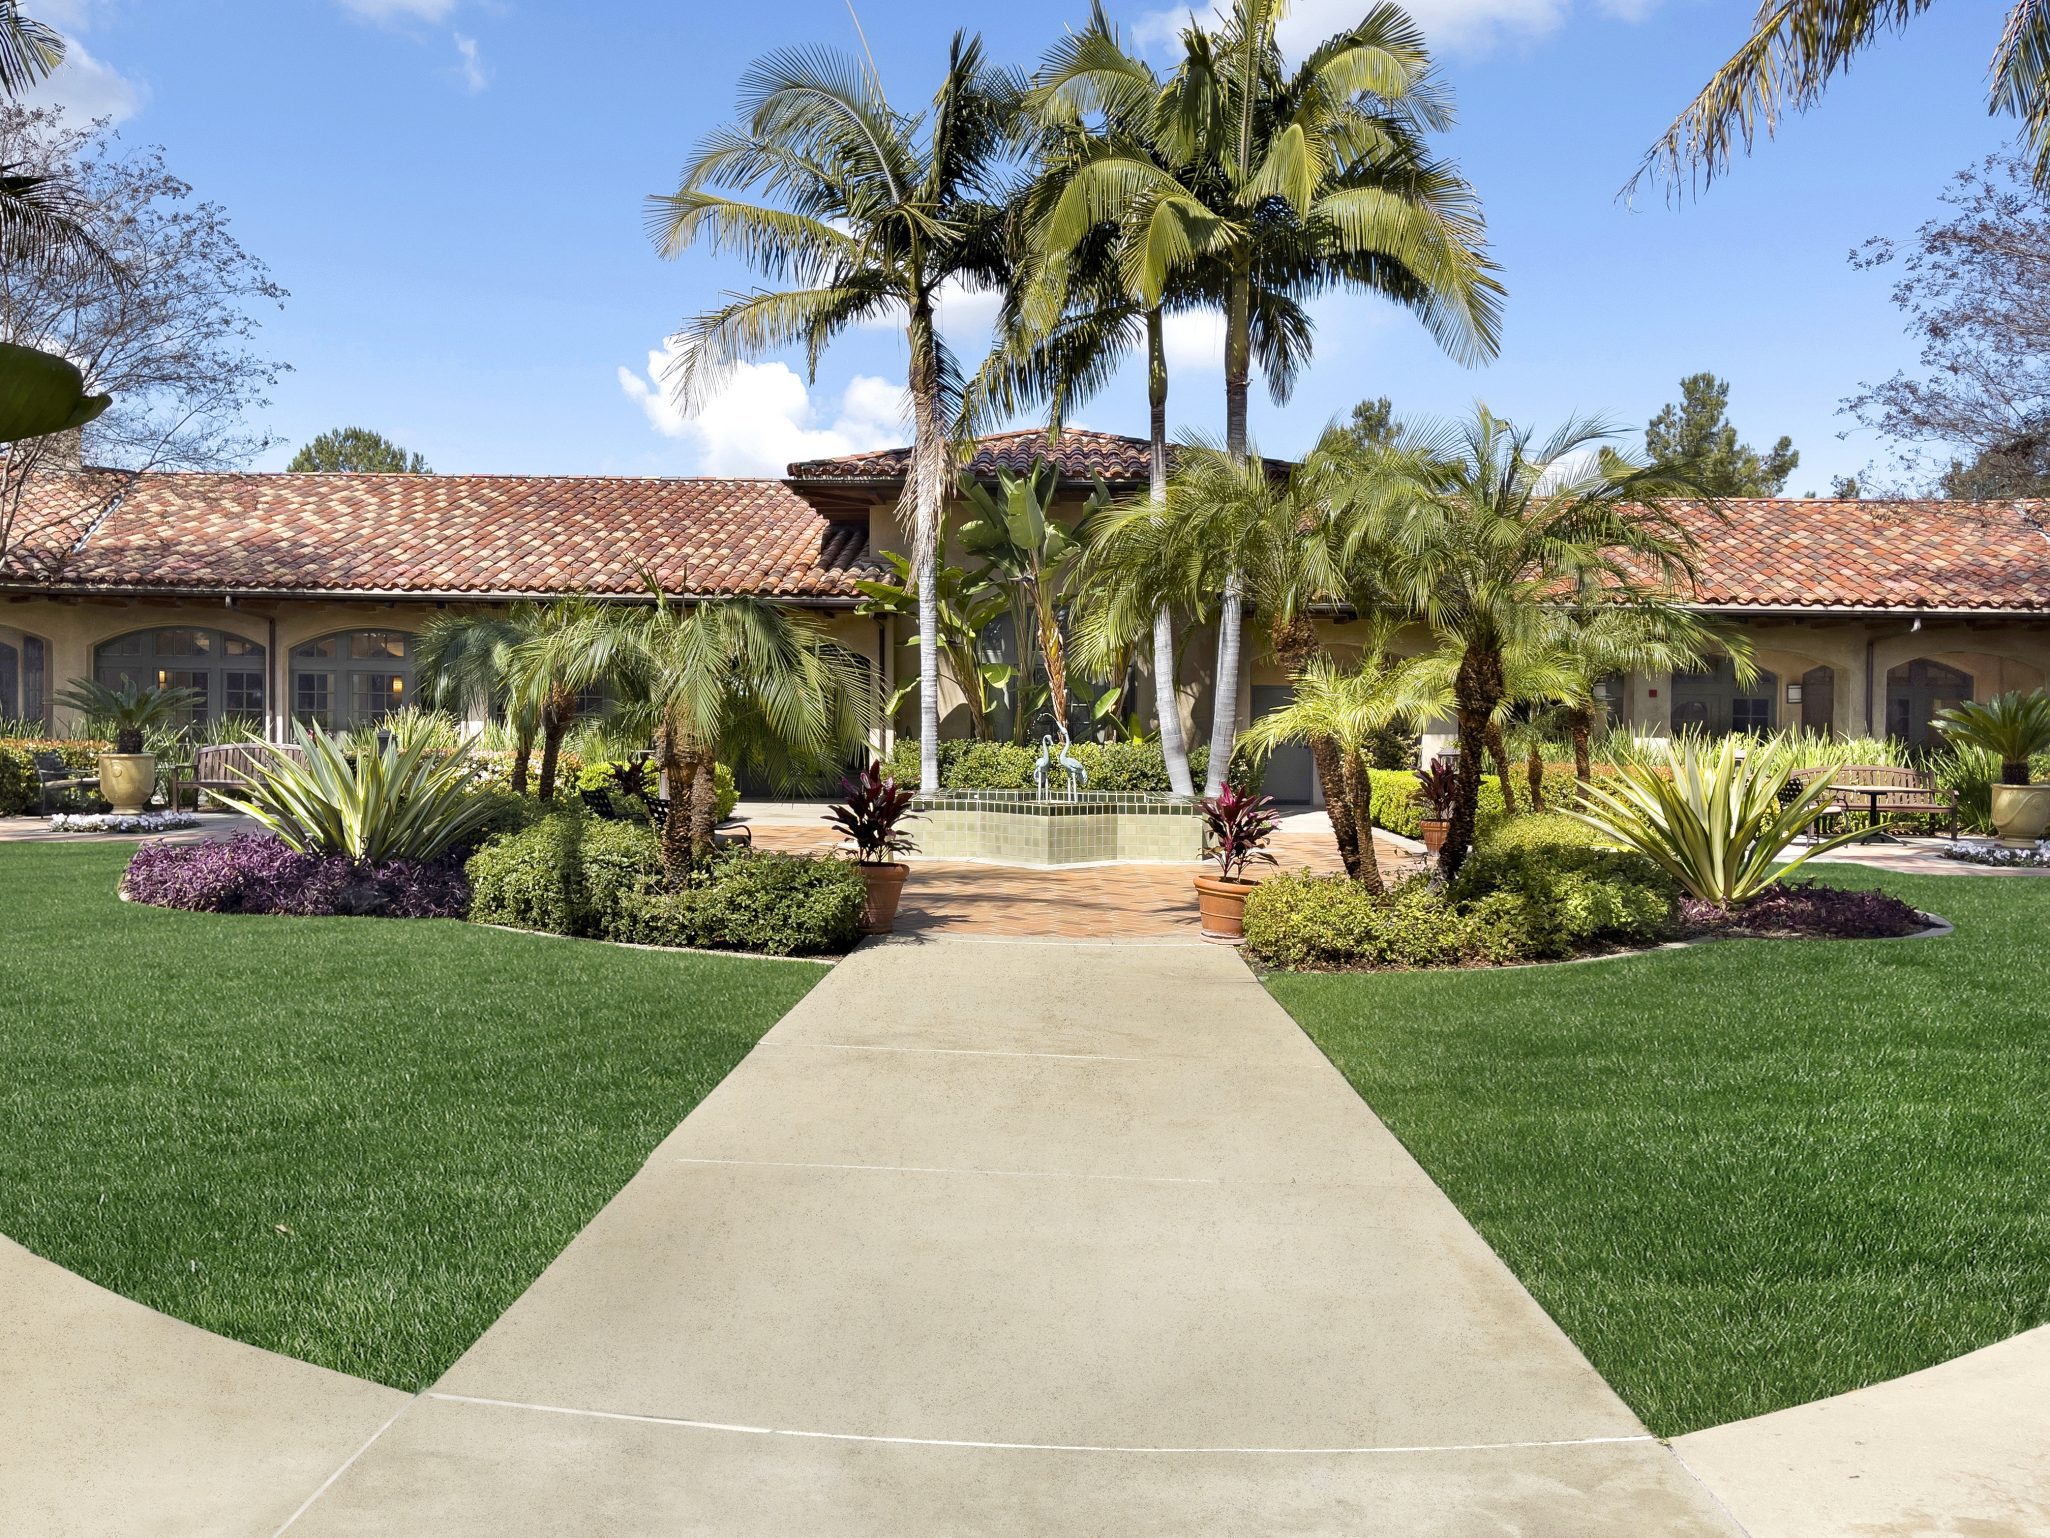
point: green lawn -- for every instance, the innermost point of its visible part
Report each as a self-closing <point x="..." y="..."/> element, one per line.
<point x="1749" y="1174"/>
<point x="351" y="1140"/>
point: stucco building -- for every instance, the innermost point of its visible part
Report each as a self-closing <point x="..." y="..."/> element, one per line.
<point x="298" y="596"/>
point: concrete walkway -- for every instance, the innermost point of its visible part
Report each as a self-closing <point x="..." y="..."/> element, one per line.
<point x="118" y="1419"/>
<point x="1032" y="1239"/>
<point x="1962" y="1448"/>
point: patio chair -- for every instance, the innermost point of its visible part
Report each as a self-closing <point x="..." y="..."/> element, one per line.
<point x="56" y="779"/>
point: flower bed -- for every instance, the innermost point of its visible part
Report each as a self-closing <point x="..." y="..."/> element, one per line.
<point x="2035" y="857"/>
<point x="121" y="822"/>
<point x="1807" y="910"/>
<point x="259" y="873"/>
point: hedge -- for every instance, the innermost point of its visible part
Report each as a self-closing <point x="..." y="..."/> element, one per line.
<point x="1562" y="890"/>
<point x="20" y="790"/>
<point x="972" y="764"/>
<point x="1300" y="920"/>
<point x="574" y="874"/>
<point x="1397" y="809"/>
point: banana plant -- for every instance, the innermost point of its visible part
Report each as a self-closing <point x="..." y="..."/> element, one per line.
<point x="1030" y="555"/>
<point x="966" y="607"/>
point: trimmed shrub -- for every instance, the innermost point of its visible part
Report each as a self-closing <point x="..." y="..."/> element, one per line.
<point x="776" y="904"/>
<point x="1397" y="809"/>
<point x="21" y="791"/>
<point x="260" y="873"/>
<point x="1331" y="922"/>
<point x="1130" y="766"/>
<point x="568" y="873"/>
<point x="1554" y="883"/>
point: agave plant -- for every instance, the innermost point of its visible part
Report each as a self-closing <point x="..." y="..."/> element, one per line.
<point x="131" y="709"/>
<point x="2012" y="727"/>
<point x="1718" y="825"/>
<point x="398" y="803"/>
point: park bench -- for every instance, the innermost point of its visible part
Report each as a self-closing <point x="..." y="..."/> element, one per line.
<point x="1912" y="793"/>
<point x="229" y="765"/>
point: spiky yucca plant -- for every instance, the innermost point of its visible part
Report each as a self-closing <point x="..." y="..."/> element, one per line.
<point x="398" y="803"/>
<point x="1717" y="825"/>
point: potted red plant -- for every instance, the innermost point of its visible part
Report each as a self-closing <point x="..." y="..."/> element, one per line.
<point x="1239" y="826"/>
<point x="1437" y="788"/>
<point x="870" y="816"/>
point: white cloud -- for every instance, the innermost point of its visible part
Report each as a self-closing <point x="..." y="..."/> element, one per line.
<point x="1193" y="341"/>
<point x="86" y="86"/>
<point x="471" y="67"/>
<point x="763" y="417"/>
<point x="1456" y="26"/>
<point x="965" y="316"/>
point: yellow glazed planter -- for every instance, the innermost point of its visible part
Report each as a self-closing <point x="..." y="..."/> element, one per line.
<point x="128" y="780"/>
<point x="2021" y="813"/>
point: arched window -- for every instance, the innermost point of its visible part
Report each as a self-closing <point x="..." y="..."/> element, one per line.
<point x="1714" y="703"/>
<point x="226" y="670"/>
<point x="24" y="678"/>
<point x="353" y="678"/>
<point x="1915" y="691"/>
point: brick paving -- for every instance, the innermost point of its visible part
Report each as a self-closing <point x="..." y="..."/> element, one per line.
<point x="1092" y="902"/>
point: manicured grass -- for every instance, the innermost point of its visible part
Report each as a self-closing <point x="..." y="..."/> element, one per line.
<point x="1750" y="1174"/>
<point x="354" y="1141"/>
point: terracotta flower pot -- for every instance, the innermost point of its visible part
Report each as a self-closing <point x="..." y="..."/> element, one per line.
<point x="2021" y="813"/>
<point x="128" y="780"/>
<point x="1434" y="831"/>
<point x="1223" y="906"/>
<point x="885" y="889"/>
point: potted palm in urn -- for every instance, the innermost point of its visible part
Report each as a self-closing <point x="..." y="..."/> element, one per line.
<point x="1437" y="788"/>
<point x="128" y="775"/>
<point x="1239" y="826"/>
<point x="2012" y="728"/>
<point x="875" y="807"/>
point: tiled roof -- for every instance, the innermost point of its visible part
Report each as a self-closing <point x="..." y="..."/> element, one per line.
<point x="1078" y="455"/>
<point x="431" y="535"/>
<point x="1814" y="553"/>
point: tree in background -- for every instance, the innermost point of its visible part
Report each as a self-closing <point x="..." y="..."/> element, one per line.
<point x="1695" y="433"/>
<point x="160" y="316"/>
<point x="357" y="449"/>
<point x="1974" y="286"/>
<point x="1373" y="425"/>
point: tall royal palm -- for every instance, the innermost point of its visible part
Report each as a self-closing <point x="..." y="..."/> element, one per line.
<point x="1075" y="310"/>
<point x="1477" y="527"/>
<point x="1300" y="180"/>
<point x="1797" y="47"/>
<point x="866" y="212"/>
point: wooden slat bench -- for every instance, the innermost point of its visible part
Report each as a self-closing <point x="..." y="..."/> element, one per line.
<point x="229" y="765"/>
<point x="1918" y="795"/>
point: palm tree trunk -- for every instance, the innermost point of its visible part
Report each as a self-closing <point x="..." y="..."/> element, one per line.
<point x="1355" y="788"/>
<point x="1294" y="643"/>
<point x="1580" y="726"/>
<point x="1499" y="752"/>
<point x="556" y="721"/>
<point x="523" y="749"/>
<point x="679" y="776"/>
<point x="1476" y="690"/>
<point x="1534" y="772"/>
<point x="1167" y="705"/>
<point x="704" y="808"/>
<point x="1238" y="362"/>
<point x="928" y="490"/>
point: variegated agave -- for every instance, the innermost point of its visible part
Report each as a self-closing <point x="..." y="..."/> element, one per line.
<point x="391" y="803"/>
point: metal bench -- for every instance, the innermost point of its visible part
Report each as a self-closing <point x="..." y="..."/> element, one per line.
<point x="54" y="778"/>
<point x="731" y="831"/>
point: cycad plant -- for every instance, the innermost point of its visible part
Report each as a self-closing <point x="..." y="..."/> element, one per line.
<point x="400" y="803"/>
<point x="131" y="710"/>
<point x="1717" y="824"/>
<point x="2013" y="727"/>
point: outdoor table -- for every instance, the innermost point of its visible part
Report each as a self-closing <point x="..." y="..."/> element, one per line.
<point x="1874" y="834"/>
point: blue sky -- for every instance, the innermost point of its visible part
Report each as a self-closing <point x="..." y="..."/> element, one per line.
<point x="451" y="190"/>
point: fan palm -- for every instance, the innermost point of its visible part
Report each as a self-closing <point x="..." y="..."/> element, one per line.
<point x="737" y="680"/>
<point x="1475" y="527"/>
<point x="1797" y="47"/>
<point x="868" y="212"/>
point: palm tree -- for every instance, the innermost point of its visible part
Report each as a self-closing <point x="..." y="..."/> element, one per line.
<point x="1474" y="529"/>
<point x="964" y="607"/>
<point x="468" y="660"/>
<point x="1302" y="181"/>
<point x="868" y="213"/>
<point x="1342" y="711"/>
<point x="1798" y="46"/>
<point x="737" y="680"/>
